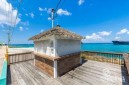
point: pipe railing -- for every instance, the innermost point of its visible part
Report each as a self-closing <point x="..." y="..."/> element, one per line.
<point x="115" y="58"/>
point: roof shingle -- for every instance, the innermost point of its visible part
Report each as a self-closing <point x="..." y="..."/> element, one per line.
<point x="58" y="32"/>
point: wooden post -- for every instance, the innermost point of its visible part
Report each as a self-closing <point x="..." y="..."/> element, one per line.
<point x="55" y="47"/>
<point x="34" y="60"/>
<point x="80" y="60"/>
<point x="6" y="55"/>
<point x="55" y="69"/>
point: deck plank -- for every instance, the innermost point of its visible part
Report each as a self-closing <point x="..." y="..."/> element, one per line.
<point x="90" y="73"/>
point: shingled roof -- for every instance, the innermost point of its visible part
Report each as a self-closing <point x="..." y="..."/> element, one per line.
<point x="58" y="32"/>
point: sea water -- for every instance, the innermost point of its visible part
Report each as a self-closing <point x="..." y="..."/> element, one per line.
<point x="105" y="47"/>
<point x="96" y="47"/>
<point x="21" y="45"/>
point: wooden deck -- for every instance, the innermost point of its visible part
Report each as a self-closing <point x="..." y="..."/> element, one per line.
<point x="90" y="73"/>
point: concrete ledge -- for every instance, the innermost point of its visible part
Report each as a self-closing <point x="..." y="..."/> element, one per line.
<point x="3" y="76"/>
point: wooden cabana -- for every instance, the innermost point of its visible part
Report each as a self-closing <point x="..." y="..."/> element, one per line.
<point x="57" y="50"/>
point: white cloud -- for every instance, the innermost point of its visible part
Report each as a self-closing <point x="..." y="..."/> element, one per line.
<point x="123" y="31"/>
<point x="2" y="26"/>
<point x="63" y="12"/>
<point x="49" y="10"/>
<point x="20" y="15"/>
<point x="23" y="9"/>
<point x="4" y="30"/>
<point x="49" y="18"/>
<point x="117" y="38"/>
<point x="41" y="9"/>
<point x="45" y="9"/>
<point x="80" y="2"/>
<point x="27" y="28"/>
<point x="59" y="12"/>
<point x="31" y="15"/>
<point x="25" y="23"/>
<point x="105" y="33"/>
<point x="128" y="32"/>
<point x="94" y="36"/>
<point x="8" y="14"/>
<point x="98" y="36"/>
<point x="41" y="30"/>
<point x="26" y="14"/>
<point x="21" y="28"/>
<point x="41" y="14"/>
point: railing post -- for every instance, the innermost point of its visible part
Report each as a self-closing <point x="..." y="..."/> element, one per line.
<point x="34" y="60"/>
<point x="80" y="60"/>
<point x="55" y="69"/>
<point x="6" y="55"/>
<point x="119" y="59"/>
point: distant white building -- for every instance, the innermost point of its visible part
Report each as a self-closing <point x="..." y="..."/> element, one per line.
<point x="55" y="49"/>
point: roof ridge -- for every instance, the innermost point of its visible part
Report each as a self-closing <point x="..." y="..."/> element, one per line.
<point x="57" y="30"/>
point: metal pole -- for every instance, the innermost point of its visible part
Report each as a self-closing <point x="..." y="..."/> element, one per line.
<point x="9" y="31"/>
<point x="52" y="18"/>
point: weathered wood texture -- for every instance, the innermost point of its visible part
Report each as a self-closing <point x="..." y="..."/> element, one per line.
<point x="67" y="63"/>
<point x="44" y="64"/>
<point x="46" y="56"/>
<point x="90" y="73"/>
<point x="19" y="57"/>
<point x="126" y="59"/>
<point x="25" y="73"/>
<point x="115" y="58"/>
<point x="64" y="63"/>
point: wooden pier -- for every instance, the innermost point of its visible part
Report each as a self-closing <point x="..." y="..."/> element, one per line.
<point x="90" y="73"/>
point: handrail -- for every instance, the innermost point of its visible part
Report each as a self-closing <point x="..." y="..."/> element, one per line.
<point x="115" y="58"/>
<point x="103" y="52"/>
<point x="19" y="57"/>
<point x="126" y="62"/>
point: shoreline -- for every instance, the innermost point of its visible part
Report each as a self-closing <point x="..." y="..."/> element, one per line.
<point x="20" y="50"/>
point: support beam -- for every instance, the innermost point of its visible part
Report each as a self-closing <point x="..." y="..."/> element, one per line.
<point x="80" y="60"/>
<point x="55" y="47"/>
<point x="55" y="69"/>
<point x="34" y="61"/>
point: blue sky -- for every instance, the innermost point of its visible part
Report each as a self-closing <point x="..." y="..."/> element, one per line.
<point x="97" y="20"/>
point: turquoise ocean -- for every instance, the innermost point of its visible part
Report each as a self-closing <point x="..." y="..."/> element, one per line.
<point x="105" y="47"/>
<point x="97" y="47"/>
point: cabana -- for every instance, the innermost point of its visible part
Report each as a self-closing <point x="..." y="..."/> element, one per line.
<point x="57" y="51"/>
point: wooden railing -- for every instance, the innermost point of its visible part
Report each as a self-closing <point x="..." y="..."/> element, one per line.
<point x="19" y="57"/>
<point x="115" y="58"/>
<point x="126" y="64"/>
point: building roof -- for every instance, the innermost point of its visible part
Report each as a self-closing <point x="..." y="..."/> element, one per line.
<point x="58" y="32"/>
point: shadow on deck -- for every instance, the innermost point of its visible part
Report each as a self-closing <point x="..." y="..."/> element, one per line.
<point x="90" y="73"/>
<point x="125" y="77"/>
